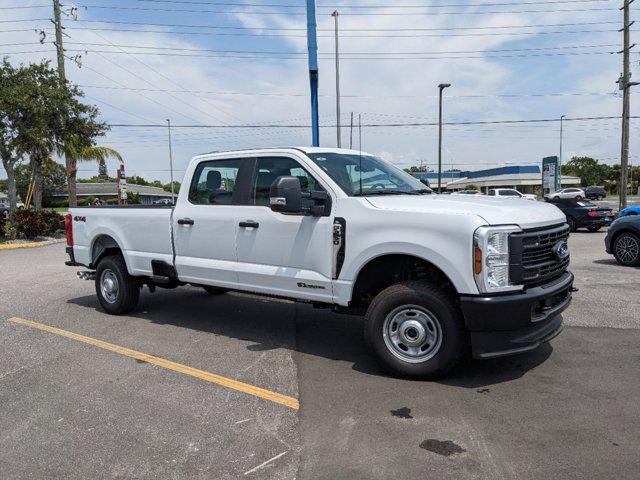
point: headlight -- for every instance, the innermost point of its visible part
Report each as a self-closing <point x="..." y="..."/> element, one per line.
<point x="491" y="258"/>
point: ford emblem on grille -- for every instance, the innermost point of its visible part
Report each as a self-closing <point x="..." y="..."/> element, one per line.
<point x="561" y="250"/>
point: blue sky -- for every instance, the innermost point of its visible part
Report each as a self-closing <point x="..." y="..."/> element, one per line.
<point x="273" y="88"/>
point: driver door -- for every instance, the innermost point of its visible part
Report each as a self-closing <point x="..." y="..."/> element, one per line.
<point x="283" y="254"/>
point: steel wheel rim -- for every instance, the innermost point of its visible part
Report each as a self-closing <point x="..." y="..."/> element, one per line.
<point x="412" y="333"/>
<point x="109" y="286"/>
<point x="627" y="248"/>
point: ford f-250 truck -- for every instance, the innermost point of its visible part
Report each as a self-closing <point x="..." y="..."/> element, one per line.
<point x="436" y="276"/>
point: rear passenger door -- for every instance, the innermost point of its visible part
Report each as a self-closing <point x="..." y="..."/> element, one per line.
<point x="283" y="254"/>
<point x="206" y="223"/>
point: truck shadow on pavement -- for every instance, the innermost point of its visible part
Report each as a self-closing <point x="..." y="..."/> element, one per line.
<point x="272" y="324"/>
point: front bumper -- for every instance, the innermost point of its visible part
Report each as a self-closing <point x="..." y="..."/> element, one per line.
<point x="513" y="323"/>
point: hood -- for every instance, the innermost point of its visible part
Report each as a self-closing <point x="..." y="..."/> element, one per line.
<point x="494" y="210"/>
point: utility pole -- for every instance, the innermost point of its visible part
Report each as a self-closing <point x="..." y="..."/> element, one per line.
<point x="624" y="85"/>
<point x="441" y="87"/>
<point x="173" y="195"/>
<point x="312" y="45"/>
<point x="560" y="157"/>
<point x="339" y="142"/>
<point x="58" y="24"/>
<point x="70" y="164"/>
<point x="351" y="133"/>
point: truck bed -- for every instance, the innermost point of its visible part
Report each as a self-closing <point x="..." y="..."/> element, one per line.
<point x="143" y="233"/>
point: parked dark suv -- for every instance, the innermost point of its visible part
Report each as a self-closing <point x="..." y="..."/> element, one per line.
<point x="583" y="214"/>
<point x="595" y="193"/>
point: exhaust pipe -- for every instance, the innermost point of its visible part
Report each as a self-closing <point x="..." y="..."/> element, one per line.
<point x="86" y="275"/>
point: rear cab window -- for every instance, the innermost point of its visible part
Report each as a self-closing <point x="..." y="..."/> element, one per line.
<point x="214" y="182"/>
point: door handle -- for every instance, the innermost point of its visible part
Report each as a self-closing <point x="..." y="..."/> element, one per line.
<point x="185" y="221"/>
<point x="249" y="224"/>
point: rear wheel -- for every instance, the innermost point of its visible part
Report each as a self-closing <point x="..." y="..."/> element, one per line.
<point x="626" y="249"/>
<point x="415" y="330"/>
<point x="117" y="291"/>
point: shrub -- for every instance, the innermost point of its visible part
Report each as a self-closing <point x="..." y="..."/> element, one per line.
<point x="36" y="223"/>
<point x="2" y="226"/>
<point x="112" y="201"/>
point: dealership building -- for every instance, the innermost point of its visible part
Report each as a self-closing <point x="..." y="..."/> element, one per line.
<point x="525" y="179"/>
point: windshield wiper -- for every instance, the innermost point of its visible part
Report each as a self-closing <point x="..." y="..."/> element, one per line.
<point x="378" y="192"/>
<point x="422" y="191"/>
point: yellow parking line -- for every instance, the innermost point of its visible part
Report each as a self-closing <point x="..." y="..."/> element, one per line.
<point x="9" y="246"/>
<point x="176" y="367"/>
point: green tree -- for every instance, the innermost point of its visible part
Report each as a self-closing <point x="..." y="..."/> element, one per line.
<point x="590" y="171"/>
<point x="10" y="152"/>
<point x="471" y="186"/>
<point x="76" y="149"/>
<point x="54" y="179"/>
<point x="41" y="114"/>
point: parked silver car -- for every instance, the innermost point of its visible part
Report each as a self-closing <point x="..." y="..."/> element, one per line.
<point x="576" y="193"/>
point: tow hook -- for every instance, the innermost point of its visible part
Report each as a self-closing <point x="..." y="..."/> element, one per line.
<point x="86" y="275"/>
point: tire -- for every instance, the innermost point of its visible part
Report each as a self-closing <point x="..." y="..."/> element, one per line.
<point x="573" y="225"/>
<point x="117" y="291"/>
<point x="630" y="213"/>
<point x="213" y="290"/>
<point x="578" y="197"/>
<point x="416" y="309"/>
<point x="594" y="228"/>
<point x="626" y="249"/>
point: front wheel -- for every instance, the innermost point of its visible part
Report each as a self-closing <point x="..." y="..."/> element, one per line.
<point x="573" y="225"/>
<point x="415" y="330"/>
<point x="626" y="249"/>
<point x="117" y="291"/>
<point x="594" y="228"/>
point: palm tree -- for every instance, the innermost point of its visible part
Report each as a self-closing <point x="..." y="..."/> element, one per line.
<point x="75" y="151"/>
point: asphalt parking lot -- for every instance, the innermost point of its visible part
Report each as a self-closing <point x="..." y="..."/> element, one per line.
<point x="76" y="409"/>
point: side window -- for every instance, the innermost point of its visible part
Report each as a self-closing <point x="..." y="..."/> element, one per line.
<point x="214" y="181"/>
<point x="492" y="192"/>
<point x="269" y="168"/>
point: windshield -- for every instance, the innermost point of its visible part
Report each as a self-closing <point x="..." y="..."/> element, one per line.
<point x="367" y="175"/>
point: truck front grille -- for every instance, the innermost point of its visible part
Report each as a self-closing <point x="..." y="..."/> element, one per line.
<point x="531" y="258"/>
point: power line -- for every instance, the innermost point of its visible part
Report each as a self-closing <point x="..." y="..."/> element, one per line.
<point x="301" y="29"/>
<point x="282" y="94"/>
<point x="375" y="125"/>
<point x="334" y="5"/>
<point x="285" y="57"/>
<point x="270" y="33"/>
<point x="267" y="52"/>
<point x="386" y="13"/>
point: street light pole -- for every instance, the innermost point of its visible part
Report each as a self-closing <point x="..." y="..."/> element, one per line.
<point x="441" y="87"/>
<point x="560" y="157"/>
<point x="173" y="195"/>
<point x="339" y="142"/>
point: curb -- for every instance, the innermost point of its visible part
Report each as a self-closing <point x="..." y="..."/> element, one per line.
<point x="13" y="246"/>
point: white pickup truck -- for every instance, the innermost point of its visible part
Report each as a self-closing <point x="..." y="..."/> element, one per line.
<point x="436" y="276"/>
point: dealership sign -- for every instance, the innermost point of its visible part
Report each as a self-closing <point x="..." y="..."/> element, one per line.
<point x="550" y="174"/>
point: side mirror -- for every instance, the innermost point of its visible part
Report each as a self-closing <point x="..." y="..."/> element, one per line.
<point x="285" y="195"/>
